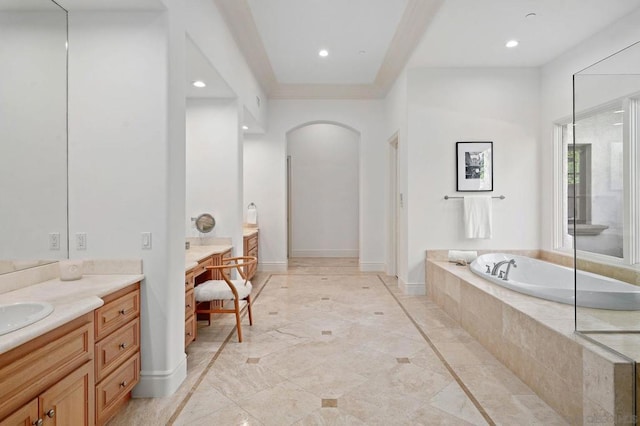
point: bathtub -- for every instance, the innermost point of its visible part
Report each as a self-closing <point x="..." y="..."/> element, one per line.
<point x="554" y="282"/>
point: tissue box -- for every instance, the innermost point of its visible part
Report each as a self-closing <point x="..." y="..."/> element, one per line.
<point x="70" y="270"/>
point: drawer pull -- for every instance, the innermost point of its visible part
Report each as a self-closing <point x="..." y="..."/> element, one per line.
<point x="37" y="422"/>
<point x="51" y="413"/>
<point x="188" y="305"/>
<point x="123" y="345"/>
<point x="123" y="384"/>
<point x="189" y="334"/>
<point x="122" y="311"/>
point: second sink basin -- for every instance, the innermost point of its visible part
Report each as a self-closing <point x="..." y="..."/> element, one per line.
<point x="17" y="315"/>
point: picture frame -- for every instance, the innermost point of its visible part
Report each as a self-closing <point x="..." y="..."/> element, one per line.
<point x="474" y="166"/>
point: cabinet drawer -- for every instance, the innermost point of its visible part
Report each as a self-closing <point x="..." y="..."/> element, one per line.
<point x="202" y="267"/>
<point x="189" y="303"/>
<point x="116" y="387"/>
<point x="189" y="330"/>
<point x="188" y="281"/>
<point x="116" y="313"/>
<point x="252" y="242"/>
<point x="114" y="349"/>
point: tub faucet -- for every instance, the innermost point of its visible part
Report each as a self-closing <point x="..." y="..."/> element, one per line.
<point x="506" y="274"/>
<point x="496" y="266"/>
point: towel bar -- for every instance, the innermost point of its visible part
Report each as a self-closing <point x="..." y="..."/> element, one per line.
<point x="446" y="197"/>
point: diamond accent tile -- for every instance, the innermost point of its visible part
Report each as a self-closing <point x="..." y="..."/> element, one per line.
<point x="329" y="403"/>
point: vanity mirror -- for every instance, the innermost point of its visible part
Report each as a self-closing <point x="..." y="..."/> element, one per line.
<point x="33" y="133"/>
<point x="205" y="223"/>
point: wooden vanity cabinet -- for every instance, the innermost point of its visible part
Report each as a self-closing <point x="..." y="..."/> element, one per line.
<point x="251" y="249"/>
<point x="117" y="351"/>
<point x="50" y="380"/>
<point x="190" y="328"/>
<point x="193" y="277"/>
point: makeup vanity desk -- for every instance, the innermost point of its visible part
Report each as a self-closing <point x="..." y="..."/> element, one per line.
<point x="197" y="258"/>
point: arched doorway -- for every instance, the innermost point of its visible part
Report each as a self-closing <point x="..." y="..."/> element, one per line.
<point x="323" y="190"/>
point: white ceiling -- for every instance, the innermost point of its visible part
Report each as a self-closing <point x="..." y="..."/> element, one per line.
<point x="293" y="32"/>
<point x="281" y="38"/>
<point x="463" y="34"/>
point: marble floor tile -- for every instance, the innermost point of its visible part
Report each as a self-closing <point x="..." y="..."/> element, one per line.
<point x="374" y="356"/>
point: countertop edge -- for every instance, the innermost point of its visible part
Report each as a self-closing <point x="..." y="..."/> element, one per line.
<point x="70" y="299"/>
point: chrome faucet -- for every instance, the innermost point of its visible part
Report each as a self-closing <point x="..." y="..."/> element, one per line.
<point x="496" y="268"/>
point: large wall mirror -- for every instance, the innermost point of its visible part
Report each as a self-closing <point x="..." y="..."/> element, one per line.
<point x="33" y="133"/>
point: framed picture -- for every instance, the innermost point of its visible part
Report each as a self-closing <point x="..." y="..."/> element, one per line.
<point x="474" y="166"/>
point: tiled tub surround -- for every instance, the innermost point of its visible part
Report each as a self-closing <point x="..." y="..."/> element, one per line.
<point x="535" y="339"/>
<point x="70" y="299"/>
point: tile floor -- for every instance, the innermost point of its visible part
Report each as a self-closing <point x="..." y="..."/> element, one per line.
<point x="333" y="346"/>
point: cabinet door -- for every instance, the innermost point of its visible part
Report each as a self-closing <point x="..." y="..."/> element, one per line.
<point x="70" y="401"/>
<point x="25" y="416"/>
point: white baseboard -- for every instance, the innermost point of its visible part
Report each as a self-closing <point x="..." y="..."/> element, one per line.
<point x="158" y="384"/>
<point x="273" y="266"/>
<point x="325" y="253"/>
<point x="411" y="289"/>
<point x="372" y="267"/>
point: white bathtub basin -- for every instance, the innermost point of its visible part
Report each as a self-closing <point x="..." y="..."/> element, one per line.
<point x="17" y="315"/>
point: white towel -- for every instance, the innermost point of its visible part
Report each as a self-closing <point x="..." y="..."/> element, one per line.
<point x="252" y="216"/>
<point x="477" y="216"/>
<point x="465" y="255"/>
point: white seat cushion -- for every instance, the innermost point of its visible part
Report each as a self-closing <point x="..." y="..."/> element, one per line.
<point x="219" y="290"/>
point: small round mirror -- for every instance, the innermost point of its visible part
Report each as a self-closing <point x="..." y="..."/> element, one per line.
<point x="205" y="223"/>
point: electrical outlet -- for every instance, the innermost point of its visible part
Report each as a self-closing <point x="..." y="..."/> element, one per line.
<point x="146" y="240"/>
<point x="81" y="241"/>
<point x="54" y="241"/>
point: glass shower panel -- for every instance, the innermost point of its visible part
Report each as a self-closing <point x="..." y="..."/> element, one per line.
<point x="603" y="195"/>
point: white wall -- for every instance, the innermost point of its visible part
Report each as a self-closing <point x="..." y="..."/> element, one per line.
<point x="324" y="191"/>
<point x="265" y="177"/>
<point x="33" y="139"/>
<point x="556" y="100"/>
<point x="214" y="168"/>
<point x="449" y="105"/>
<point x="126" y="166"/>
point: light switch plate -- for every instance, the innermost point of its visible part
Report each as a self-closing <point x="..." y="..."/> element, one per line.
<point x="146" y="240"/>
<point x="81" y="241"/>
<point x="54" y="241"/>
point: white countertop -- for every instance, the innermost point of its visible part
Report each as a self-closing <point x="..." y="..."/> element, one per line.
<point x="246" y="232"/>
<point x="70" y="300"/>
<point x="196" y="254"/>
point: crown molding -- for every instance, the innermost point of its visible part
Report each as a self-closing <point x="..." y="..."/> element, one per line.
<point x="237" y="14"/>
<point x="413" y="24"/>
<point x="326" y="91"/>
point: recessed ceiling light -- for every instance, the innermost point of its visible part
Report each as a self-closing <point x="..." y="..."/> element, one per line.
<point x="512" y="43"/>
<point x="245" y="127"/>
<point x="324" y="53"/>
<point x="199" y="83"/>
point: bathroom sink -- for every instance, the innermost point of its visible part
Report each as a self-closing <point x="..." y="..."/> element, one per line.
<point x="17" y="315"/>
